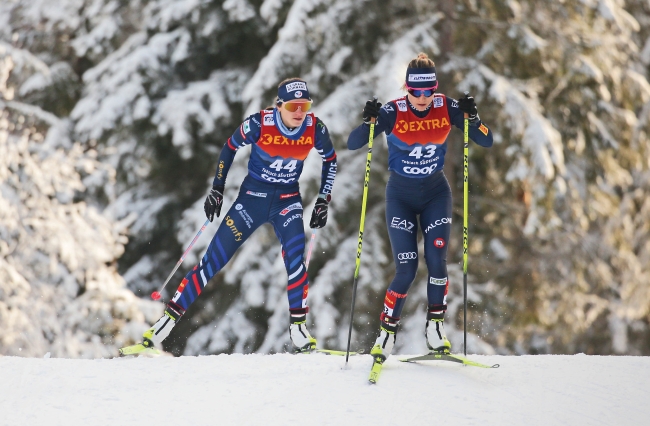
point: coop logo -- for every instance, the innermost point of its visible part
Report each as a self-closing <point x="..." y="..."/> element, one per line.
<point x="402" y="224"/>
<point x="407" y="256"/>
<point x="231" y="224"/>
<point x="289" y="208"/>
<point x="274" y="180"/>
<point x="443" y="221"/>
<point x="412" y="170"/>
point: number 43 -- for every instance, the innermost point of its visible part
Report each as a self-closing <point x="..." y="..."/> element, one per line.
<point x="417" y="151"/>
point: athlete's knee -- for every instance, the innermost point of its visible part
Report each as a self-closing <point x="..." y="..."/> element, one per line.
<point x="405" y="274"/>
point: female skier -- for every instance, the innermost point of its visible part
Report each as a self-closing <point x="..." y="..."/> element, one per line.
<point x="416" y="128"/>
<point x="281" y="138"/>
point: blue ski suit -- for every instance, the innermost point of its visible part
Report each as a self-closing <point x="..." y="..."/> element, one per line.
<point x="418" y="189"/>
<point x="269" y="193"/>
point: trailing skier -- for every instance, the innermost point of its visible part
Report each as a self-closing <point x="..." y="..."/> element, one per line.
<point x="417" y="193"/>
<point x="281" y="138"/>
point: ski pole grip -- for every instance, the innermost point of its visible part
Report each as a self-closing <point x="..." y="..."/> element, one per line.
<point x="373" y="120"/>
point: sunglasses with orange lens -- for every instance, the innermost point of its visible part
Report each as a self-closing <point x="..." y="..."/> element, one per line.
<point x="293" y="106"/>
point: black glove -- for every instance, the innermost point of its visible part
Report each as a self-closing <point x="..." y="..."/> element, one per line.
<point x="213" y="202"/>
<point x="319" y="214"/>
<point x="468" y="106"/>
<point x="371" y="110"/>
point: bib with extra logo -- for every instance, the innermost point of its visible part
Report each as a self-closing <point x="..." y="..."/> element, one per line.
<point x="417" y="146"/>
<point x="276" y="158"/>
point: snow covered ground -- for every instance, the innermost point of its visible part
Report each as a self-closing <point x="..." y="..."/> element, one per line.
<point x="288" y="389"/>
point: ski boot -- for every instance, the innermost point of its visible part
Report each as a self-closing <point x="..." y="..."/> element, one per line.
<point x="386" y="340"/>
<point x="153" y="337"/>
<point x="383" y="346"/>
<point x="300" y="338"/>
<point x="435" y="332"/>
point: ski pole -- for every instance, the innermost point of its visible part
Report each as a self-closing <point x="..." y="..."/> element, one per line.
<point x="156" y="294"/>
<point x="366" y="182"/>
<point x="465" y="227"/>
<point x="311" y="246"/>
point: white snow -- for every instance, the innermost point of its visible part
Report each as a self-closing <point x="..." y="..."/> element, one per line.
<point x="287" y="389"/>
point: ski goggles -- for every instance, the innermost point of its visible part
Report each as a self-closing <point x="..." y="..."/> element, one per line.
<point x="419" y="92"/>
<point x="294" y="105"/>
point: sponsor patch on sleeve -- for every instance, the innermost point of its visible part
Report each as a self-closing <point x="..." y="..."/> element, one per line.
<point x="483" y="128"/>
<point x="246" y="126"/>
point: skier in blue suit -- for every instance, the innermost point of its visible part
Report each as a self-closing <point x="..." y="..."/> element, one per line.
<point x="416" y="128"/>
<point x="280" y="139"/>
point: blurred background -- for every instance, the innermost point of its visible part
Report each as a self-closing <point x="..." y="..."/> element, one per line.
<point x="113" y="114"/>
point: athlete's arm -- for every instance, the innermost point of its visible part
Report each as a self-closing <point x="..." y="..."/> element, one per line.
<point x="325" y="148"/>
<point x="248" y="133"/>
<point x="385" y="122"/>
<point x="477" y="131"/>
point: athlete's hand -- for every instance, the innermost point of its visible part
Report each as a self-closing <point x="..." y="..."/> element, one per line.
<point x="213" y="202"/>
<point x="371" y="110"/>
<point x="319" y="214"/>
<point x="468" y="106"/>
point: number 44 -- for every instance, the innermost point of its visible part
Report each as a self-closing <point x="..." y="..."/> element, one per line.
<point x="278" y="165"/>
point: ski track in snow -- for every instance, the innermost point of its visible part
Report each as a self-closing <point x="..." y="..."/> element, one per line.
<point x="285" y="389"/>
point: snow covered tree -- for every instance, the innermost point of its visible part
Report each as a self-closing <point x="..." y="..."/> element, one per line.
<point x="60" y="291"/>
<point x="138" y="97"/>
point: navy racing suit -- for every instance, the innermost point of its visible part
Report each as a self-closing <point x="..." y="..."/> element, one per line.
<point x="269" y="194"/>
<point x="418" y="193"/>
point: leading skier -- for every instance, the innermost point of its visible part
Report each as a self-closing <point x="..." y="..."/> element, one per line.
<point x="417" y="126"/>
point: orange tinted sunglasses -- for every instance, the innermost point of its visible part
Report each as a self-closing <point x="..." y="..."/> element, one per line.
<point x="294" y="105"/>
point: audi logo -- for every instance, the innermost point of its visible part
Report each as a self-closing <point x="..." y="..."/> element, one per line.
<point x="407" y="256"/>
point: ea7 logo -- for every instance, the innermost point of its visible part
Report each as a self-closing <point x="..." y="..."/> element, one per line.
<point x="402" y="224"/>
